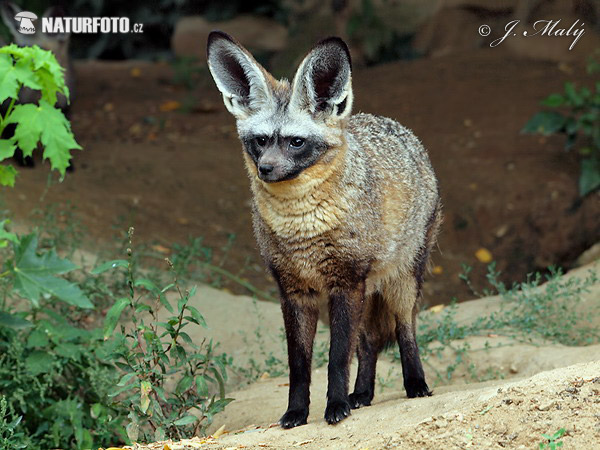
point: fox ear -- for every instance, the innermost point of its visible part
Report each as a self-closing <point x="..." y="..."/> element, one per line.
<point x="323" y="82"/>
<point x="241" y="80"/>
<point x="9" y="10"/>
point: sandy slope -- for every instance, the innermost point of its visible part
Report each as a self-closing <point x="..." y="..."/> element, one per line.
<point x="546" y="387"/>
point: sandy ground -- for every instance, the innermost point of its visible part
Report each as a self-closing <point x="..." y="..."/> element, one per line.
<point x="545" y="387"/>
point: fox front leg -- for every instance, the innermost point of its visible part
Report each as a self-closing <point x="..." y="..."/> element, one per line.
<point x="344" y="315"/>
<point x="300" y="319"/>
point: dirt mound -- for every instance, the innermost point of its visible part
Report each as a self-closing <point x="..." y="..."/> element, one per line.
<point x="511" y="415"/>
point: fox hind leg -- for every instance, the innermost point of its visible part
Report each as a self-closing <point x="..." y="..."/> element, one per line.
<point x="412" y="368"/>
<point x="371" y="340"/>
<point x="364" y="388"/>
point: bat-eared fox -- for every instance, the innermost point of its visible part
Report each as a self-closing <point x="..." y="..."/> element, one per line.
<point x="346" y="210"/>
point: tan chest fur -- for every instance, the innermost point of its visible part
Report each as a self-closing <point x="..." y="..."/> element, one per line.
<point x="307" y="206"/>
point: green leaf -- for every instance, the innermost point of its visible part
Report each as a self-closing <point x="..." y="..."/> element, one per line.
<point x="545" y="122"/>
<point x="29" y="127"/>
<point x="110" y="265"/>
<point x="220" y="381"/>
<point x="147" y="284"/>
<point x="589" y="179"/>
<point x="113" y="315"/>
<point x="145" y="389"/>
<point x="69" y="351"/>
<point x="187" y="420"/>
<point x="166" y="303"/>
<point x="7" y="149"/>
<point x="25" y="74"/>
<point x="9" y="85"/>
<point x="572" y="94"/>
<point x="13" y="321"/>
<point x="197" y="316"/>
<point x="553" y="100"/>
<point x="184" y="384"/>
<point x="8" y="174"/>
<point x="125" y="378"/>
<point x="181" y="303"/>
<point x="6" y="236"/>
<point x="47" y="124"/>
<point x="35" y="275"/>
<point x="201" y="386"/>
<point x="37" y="338"/>
<point x="38" y="362"/>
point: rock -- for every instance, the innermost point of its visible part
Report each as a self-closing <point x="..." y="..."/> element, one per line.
<point x="590" y="255"/>
<point x="256" y="33"/>
<point x="547" y="405"/>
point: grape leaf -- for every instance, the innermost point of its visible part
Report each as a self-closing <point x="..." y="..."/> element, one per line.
<point x="9" y="86"/>
<point x="29" y="128"/>
<point x="25" y="75"/>
<point x="36" y="275"/>
<point x="46" y="124"/>
<point x="7" y="149"/>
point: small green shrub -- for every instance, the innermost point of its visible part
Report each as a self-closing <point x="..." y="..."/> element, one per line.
<point x="578" y="119"/>
<point x="10" y="438"/>
<point x="551" y="440"/>
<point x="530" y="312"/>
<point x="154" y="353"/>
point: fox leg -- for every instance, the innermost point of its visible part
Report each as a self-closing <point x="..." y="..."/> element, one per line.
<point x="364" y="387"/>
<point x="300" y="319"/>
<point x="344" y="316"/>
<point x="412" y="369"/>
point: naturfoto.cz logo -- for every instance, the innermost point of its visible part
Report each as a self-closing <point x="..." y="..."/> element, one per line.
<point x="77" y="25"/>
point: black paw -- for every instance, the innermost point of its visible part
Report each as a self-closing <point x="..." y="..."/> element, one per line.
<point x="416" y="387"/>
<point x="336" y="412"/>
<point x="293" y="418"/>
<point x="360" y="399"/>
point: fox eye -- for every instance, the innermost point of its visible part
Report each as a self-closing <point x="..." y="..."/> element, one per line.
<point x="297" y="142"/>
<point x="261" y="141"/>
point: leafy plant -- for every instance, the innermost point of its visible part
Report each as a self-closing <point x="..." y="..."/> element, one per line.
<point x="54" y="374"/>
<point x="579" y="118"/>
<point x="9" y="437"/>
<point x="43" y="123"/>
<point x="552" y="443"/>
<point x="154" y="352"/>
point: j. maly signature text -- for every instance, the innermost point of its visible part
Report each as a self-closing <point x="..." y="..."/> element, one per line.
<point x="550" y="28"/>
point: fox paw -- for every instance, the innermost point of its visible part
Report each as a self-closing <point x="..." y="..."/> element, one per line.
<point x="293" y="418"/>
<point x="358" y="399"/>
<point x="336" y="412"/>
<point x="416" y="387"/>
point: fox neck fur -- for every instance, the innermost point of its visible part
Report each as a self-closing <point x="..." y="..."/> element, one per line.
<point x="308" y="205"/>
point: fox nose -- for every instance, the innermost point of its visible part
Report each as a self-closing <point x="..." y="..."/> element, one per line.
<point x="265" y="168"/>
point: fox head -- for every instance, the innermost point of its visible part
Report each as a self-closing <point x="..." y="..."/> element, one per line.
<point x="284" y="128"/>
<point x="56" y="43"/>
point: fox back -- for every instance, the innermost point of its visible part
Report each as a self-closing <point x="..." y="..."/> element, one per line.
<point x="346" y="210"/>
